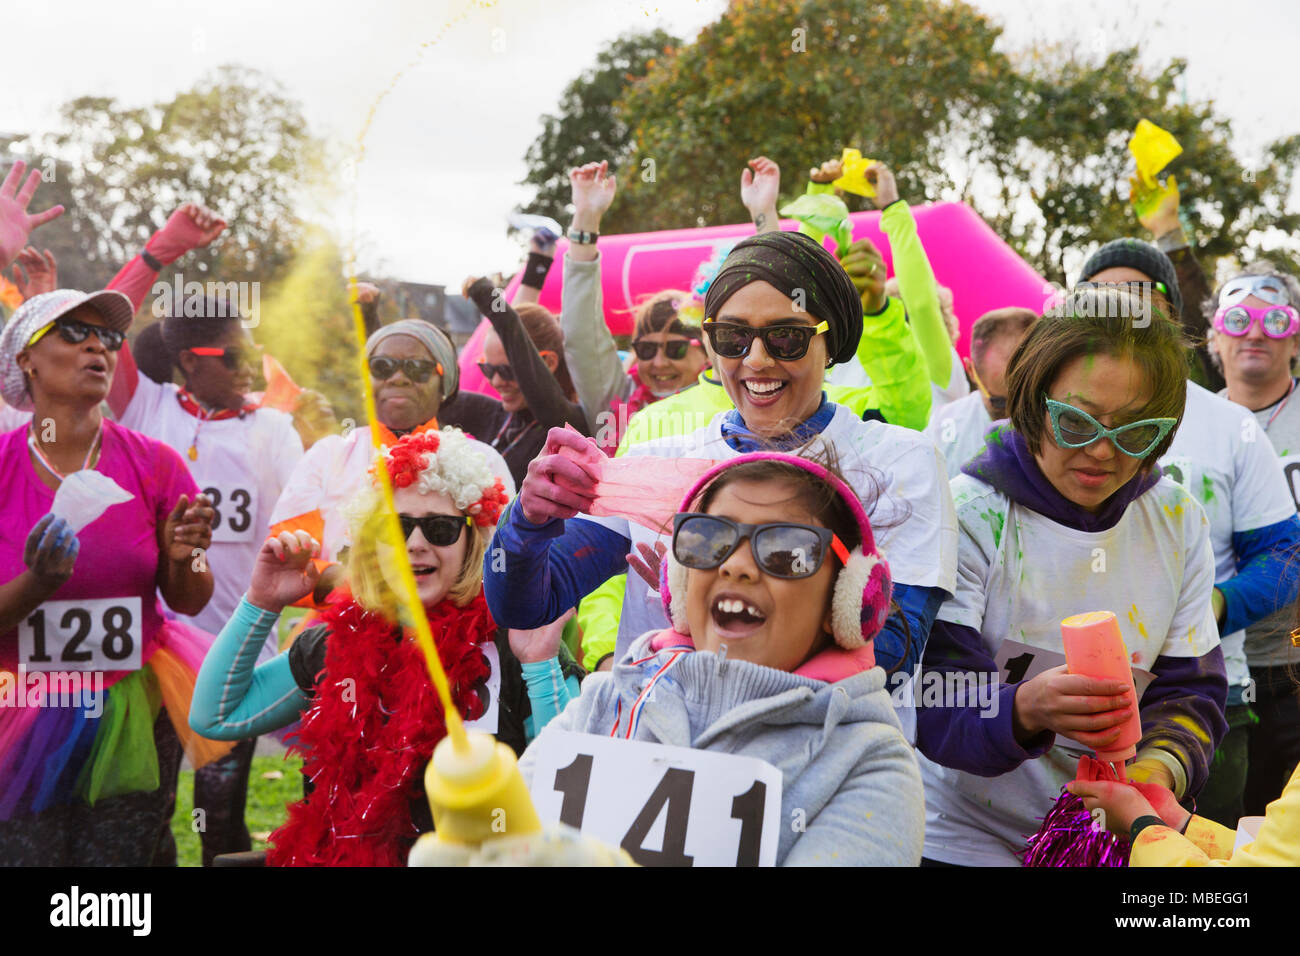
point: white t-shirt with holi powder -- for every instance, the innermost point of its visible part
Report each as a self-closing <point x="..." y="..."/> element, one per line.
<point x="1267" y="642"/>
<point x="958" y="385"/>
<point x="241" y="464"/>
<point x="1019" y="575"/>
<point x="1237" y="478"/>
<point x="958" y="430"/>
<point x="913" y="520"/>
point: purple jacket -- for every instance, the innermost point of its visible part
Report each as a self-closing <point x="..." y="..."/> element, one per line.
<point x="1184" y="687"/>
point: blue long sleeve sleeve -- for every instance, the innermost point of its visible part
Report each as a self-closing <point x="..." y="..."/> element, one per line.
<point x="234" y="698"/>
<point x="1268" y="576"/>
<point x="549" y="692"/>
<point x="534" y="573"/>
<point x="968" y="738"/>
<point x="899" y="648"/>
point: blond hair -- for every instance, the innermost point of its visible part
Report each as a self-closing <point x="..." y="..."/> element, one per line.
<point x="367" y="579"/>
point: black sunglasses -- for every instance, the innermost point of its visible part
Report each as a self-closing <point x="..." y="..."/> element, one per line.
<point x="785" y="343"/>
<point x="675" y="349"/>
<point x="782" y="549"/>
<point x="489" y="371"/>
<point x="417" y="370"/>
<point x="74" y="332"/>
<point x="438" y="530"/>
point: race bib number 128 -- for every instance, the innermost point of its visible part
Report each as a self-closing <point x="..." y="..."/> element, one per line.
<point x="103" y="634"/>
<point x="666" y="806"/>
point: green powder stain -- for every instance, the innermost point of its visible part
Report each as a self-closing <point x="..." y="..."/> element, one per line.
<point x="1207" y="489"/>
<point x="997" y="521"/>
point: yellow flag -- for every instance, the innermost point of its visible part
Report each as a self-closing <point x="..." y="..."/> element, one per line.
<point x="854" y="179"/>
<point x="1154" y="149"/>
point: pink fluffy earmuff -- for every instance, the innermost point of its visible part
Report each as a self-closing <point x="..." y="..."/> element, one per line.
<point x="860" y="602"/>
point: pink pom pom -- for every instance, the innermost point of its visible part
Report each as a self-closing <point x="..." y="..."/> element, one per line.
<point x="1070" y="837"/>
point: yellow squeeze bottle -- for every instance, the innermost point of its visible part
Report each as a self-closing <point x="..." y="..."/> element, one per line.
<point x="476" y="792"/>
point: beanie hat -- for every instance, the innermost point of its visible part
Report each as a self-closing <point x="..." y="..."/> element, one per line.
<point x="1139" y="255"/>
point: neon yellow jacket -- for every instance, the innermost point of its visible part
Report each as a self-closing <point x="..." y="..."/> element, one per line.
<point x="917" y="287"/>
<point x="1206" y="843"/>
<point x="919" y="291"/>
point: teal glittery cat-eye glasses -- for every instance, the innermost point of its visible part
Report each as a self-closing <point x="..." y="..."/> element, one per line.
<point x="1074" y="428"/>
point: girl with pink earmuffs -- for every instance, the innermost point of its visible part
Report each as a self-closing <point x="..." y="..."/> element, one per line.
<point x="775" y="589"/>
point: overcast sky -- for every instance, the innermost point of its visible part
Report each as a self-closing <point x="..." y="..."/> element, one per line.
<point x="447" y="144"/>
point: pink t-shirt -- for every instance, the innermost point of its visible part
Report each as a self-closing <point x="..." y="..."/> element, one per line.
<point x="119" y="549"/>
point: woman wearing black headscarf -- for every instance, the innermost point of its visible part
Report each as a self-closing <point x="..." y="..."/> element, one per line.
<point x="780" y="311"/>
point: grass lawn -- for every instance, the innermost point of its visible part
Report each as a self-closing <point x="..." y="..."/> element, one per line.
<point x="274" y="783"/>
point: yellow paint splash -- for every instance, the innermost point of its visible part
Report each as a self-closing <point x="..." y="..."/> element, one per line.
<point x="391" y="529"/>
<point x="1188" y="724"/>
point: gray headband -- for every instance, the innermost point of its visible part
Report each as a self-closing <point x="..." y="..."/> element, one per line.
<point x="433" y="339"/>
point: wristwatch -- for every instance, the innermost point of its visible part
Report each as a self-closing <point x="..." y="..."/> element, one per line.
<point x="582" y="238"/>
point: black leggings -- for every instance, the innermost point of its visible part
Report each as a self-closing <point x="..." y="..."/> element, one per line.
<point x="1275" y="740"/>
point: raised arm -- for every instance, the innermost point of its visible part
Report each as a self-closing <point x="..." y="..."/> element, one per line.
<point x="16" y="223"/>
<point x="542" y="391"/>
<point x="760" y="186"/>
<point x="190" y="227"/>
<point x="235" y="698"/>
<point x="888" y="351"/>
<point x="1163" y="222"/>
<point x="367" y="296"/>
<point x="592" y="355"/>
<point x="916" y="283"/>
<point x="541" y="256"/>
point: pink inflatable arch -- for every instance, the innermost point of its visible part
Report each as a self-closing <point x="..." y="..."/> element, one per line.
<point x="983" y="272"/>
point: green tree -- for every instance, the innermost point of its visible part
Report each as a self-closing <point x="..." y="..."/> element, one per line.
<point x="307" y="323"/>
<point x="1035" y="140"/>
<point x="588" y="127"/>
<point x="1062" y="162"/>
<point x="797" y="83"/>
<point x="235" y="142"/>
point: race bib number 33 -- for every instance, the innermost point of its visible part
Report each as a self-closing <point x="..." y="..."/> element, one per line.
<point x="103" y="634"/>
<point x="666" y="806"/>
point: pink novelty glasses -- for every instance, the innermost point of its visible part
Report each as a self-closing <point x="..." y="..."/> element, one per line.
<point x="1276" y="321"/>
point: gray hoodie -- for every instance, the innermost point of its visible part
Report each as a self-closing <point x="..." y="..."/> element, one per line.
<point x="851" y="791"/>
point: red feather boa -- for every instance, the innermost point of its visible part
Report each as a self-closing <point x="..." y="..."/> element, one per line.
<point x="370" y="731"/>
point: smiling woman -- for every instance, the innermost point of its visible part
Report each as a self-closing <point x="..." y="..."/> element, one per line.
<point x="1063" y="513"/>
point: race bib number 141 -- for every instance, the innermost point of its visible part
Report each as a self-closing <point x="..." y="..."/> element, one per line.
<point x="666" y="806"/>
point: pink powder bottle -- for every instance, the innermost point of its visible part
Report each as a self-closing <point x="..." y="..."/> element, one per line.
<point x="1094" y="647"/>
